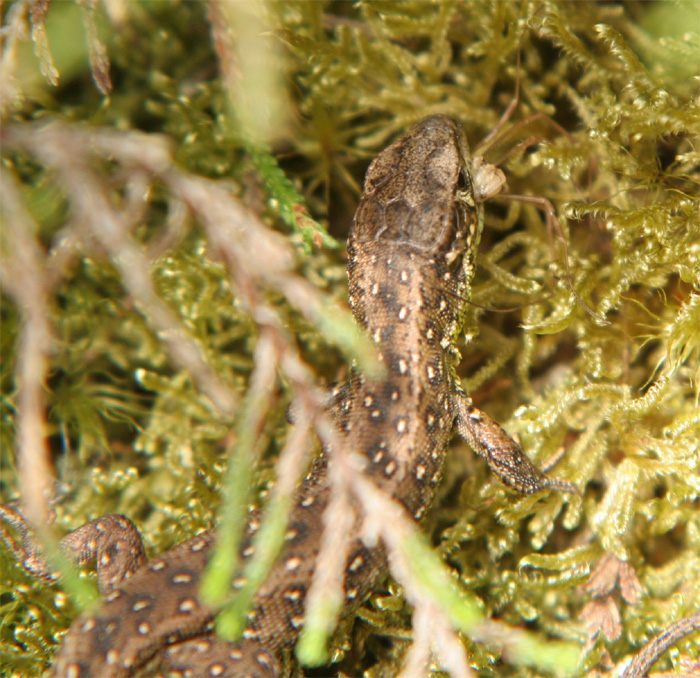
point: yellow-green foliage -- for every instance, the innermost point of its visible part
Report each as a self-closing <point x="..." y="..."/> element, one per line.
<point x="131" y="433"/>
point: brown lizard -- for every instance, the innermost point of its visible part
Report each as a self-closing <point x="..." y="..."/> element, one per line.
<point x="411" y="257"/>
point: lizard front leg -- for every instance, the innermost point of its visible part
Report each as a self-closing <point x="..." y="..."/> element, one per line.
<point x="503" y="455"/>
<point x="111" y="540"/>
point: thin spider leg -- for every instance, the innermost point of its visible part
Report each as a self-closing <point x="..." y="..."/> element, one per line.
<point x="516" y="149"/>
<point x="493" y="134"/>
<point x="490" y="140"/>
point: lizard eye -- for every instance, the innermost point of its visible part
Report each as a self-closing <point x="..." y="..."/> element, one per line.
<point x="464" y="182"/>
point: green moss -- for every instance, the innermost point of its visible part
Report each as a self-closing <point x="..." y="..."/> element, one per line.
<point x="130" y="431"/>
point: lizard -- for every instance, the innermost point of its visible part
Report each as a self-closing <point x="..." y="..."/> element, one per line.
<point x="411" y="257"/>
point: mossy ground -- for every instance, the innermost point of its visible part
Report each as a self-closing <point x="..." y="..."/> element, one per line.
<point x="130" y="432"/>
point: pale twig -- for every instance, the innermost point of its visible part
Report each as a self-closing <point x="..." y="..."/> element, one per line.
<point x="326" y="594"/>
<point x="254" y="254"/>
<point x="387" y="520"/>
<point x="64" y="152"/>
<point x="418" y="653"/>
<point x="23" y="278"/>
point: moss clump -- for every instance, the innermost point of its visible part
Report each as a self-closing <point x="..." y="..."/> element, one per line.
<point x="129" y="429"/>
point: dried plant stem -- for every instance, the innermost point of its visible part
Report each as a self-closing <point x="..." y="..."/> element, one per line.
<point x="30" y="292"/>
<point x="326" y="596"/>
<point x="385" y="519"/>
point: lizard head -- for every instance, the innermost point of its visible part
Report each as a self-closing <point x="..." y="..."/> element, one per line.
<point x="419" y="193"/>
